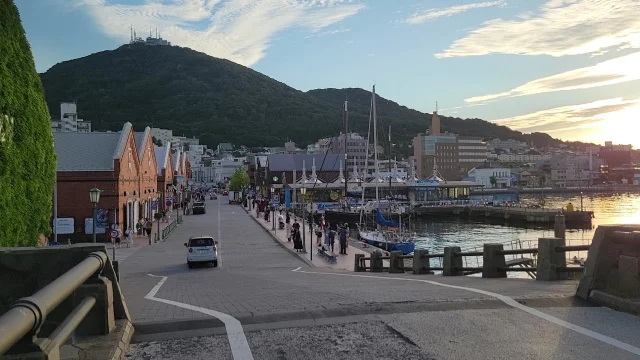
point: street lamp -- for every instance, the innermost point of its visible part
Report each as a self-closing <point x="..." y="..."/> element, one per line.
<point x="273" y="215"/>
<point x="303" y="191"/>
<point x="94" y="196"/>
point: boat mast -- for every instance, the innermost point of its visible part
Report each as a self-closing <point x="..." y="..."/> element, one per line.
<point x="366" y="162"/>
<point x="375" y="145"/>
<point x="346" y="132"/>
<point x="389" y="160"/>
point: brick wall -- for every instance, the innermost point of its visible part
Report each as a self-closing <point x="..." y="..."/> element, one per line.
<point x="148" y="177"/>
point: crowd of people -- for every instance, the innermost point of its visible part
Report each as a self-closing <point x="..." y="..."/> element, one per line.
<point x="325" y="234"/>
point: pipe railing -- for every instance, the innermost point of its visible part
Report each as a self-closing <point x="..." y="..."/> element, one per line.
<point x="29" y="313"/>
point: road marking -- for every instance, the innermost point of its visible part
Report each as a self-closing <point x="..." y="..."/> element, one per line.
<point x="511" y="302"/>
<point x="235" y="334"/>
<point x="298" y="268"/>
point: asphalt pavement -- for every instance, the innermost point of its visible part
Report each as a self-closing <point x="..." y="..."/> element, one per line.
<point x="254" y="305"/>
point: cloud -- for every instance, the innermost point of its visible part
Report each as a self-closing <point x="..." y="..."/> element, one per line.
<point x="431" y="14"/>
<point x="597" y="121"/>
<point x="238" y="30"/>
<point x="330" y="32"/>
<point x="561" y="27"/>
<point x="610" y="72"/>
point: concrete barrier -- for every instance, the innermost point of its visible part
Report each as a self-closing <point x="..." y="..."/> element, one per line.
<point x="493" y="264"/>
<point x="421" y="264"/>
<point x="612" y="276"/>
<point x="549" y="260"/>
<point x="396" y="263"/>
<point x="451" y="264"/>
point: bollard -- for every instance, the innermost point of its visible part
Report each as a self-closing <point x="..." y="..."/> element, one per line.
<point x="376" y="261"/>
<point x="357" y="266"/>
<point x="549" y="260"/>
<point x="493" y="265"/>
<point x="451" y="263"/>
<point x="396" y="263"/>
<point x="421" y="264"/>
<point x="559" y="227"/>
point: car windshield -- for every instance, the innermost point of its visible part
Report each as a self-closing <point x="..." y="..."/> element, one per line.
<point x="198" y="204"/>
<point x="201" y="242"/>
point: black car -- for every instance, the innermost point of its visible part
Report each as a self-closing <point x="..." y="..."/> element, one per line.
<point x="199" y="208"/>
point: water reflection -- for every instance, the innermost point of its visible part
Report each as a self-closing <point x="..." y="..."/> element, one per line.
<point x="438" y="233"/>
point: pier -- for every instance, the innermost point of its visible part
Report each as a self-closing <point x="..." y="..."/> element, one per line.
<point x="508" y="213"/>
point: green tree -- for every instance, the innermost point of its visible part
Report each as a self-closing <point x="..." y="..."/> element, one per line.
<point x="27" y="159"/>
<point x="493" y="181"/>
<point x="238" y="180"/>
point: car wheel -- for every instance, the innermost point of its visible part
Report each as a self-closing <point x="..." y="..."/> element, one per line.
<point x="215" y="263"/>
<point x="190" y="265"/>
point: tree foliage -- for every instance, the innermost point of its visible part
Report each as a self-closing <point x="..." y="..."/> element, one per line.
<point x="238" y="180"/>
<point x="27" y="159"/>
<point x="220" y="101"/>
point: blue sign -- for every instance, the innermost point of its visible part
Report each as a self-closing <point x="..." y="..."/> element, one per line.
<point x="275" y="203"/>
<point x="324" y="206"/>
<point x="428" y="182"/>
<point x="287" y="198"/>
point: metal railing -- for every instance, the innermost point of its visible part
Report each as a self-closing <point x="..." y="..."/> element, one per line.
<point x="28" y="314"/>
<point x="169" y="228"/>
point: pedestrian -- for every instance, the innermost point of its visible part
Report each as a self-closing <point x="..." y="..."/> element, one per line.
<point x="288" y="217"/>
<point x="318" y="230"/>
<point x="148" y="225"/>
<point x="139" y="227"/>
<point x="288" y="231"/>
<point x="332" y="239"/>
<point x="343" y="239"/>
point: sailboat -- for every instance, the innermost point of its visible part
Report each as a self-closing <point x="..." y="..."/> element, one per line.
<point x="389" y="235"/>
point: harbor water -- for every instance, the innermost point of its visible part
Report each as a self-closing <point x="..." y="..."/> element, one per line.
<point x="437" y="233"/>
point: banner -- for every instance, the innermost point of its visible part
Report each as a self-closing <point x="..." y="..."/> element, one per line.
<point x="287" y="198"/>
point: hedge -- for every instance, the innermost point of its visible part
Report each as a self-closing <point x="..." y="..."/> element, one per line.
<point x="27" y="159"/>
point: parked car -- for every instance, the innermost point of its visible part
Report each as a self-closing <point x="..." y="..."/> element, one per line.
<point x="225" y="193"/>
<point x="199" y="208"/>
<point x="201" y="249"/>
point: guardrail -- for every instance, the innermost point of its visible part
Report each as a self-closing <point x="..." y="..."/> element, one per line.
<point x="169" y="228"/>
<point x="551" y="261"/>
<point x="28" y="314"/>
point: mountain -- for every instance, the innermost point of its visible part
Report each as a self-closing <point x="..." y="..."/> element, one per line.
<point x="220" y="101"/>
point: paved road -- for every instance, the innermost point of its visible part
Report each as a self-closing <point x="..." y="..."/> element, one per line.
<point x="314" y="313"/>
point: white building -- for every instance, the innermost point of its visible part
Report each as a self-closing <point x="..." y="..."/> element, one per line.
<point x="509" y="145"/>
<point x="163" y="135"/>
<point x="570" y="177"/>
<point x="528" y="157"/>
<point x="69" y="121"/>
<point x="482" y="175"/>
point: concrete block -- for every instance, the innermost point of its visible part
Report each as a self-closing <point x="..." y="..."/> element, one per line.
<point x="549" y="260"/>
<point x="396" y="264"/>
<point x="629" y="276"/>
<point x="421" y="265"/>
<point x="559" y="227"/>
<point x="451" y="263"/>
<point x="493" y="264"/>
<point x="376" y="261"/>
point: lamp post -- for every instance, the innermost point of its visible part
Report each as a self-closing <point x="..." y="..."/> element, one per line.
<point x="273" y="215"/>
<point x="303" y="191"/>
<point x="94" y="196"/>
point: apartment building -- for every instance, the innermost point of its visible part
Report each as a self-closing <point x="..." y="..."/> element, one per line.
<point x="69" y="121"/>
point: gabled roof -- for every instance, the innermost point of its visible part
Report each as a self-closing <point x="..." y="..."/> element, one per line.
<point x="162" y="156"/>
<point x="90" y="151"/>
<point x="290" y="162"/>
<point x="141" y="140"/>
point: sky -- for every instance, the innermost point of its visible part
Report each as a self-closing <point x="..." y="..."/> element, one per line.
<point x="570" y="68"/>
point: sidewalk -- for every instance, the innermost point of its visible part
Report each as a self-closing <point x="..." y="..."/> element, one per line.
<point x="137" y="242"/>
<point x="345" y="262"/>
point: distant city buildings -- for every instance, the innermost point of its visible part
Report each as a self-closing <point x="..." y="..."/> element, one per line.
<point x="69" y="121"/>
<point x="453" y="155"/>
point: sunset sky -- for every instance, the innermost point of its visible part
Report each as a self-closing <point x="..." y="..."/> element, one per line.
<point x="566" y="67"/>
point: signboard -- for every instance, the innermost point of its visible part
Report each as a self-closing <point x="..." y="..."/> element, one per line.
<point x="154" y="205"/>
<point x="287" y="198"/>
<point x="113" y="233"/>
<point x="102" y="223"/>
<point x="65" y="226"/>
<point x="168" y="201"/>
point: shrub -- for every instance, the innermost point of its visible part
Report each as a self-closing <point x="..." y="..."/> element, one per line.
<point x="27" y="159"/>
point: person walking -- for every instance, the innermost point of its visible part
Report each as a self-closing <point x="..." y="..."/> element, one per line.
<point x="148" y="225"/>
<point x="343" y="239"/>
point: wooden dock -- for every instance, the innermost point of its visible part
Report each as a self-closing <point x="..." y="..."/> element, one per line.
<point x="513" y="214"/>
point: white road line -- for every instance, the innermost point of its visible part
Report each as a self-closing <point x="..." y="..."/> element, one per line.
<point x="237" y="340"/>
<point x="511" y="302"/>
<point x="298" y="268"/>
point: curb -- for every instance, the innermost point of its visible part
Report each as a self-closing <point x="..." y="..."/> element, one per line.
<point x="297" y="255"/>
